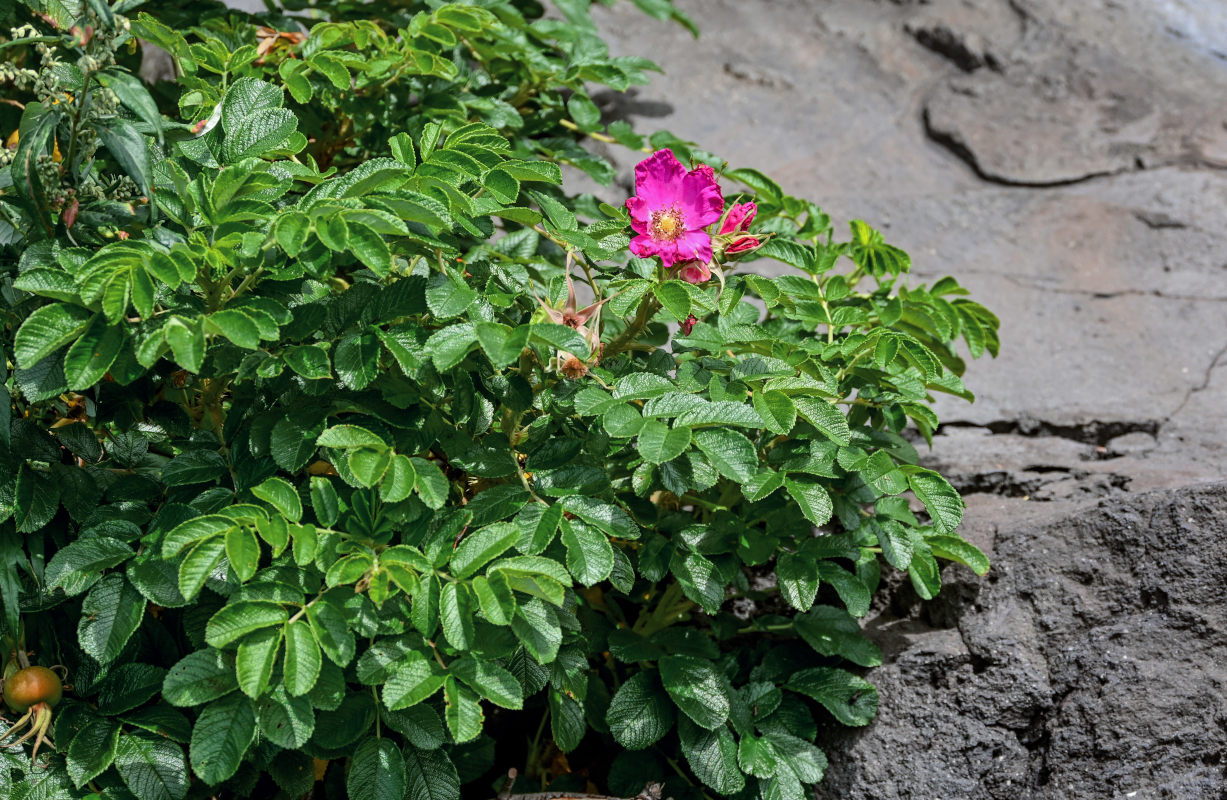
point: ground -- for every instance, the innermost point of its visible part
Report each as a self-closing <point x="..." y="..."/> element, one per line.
<point x="1065" y="161"/>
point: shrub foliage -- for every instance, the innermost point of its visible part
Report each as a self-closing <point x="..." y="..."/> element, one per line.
<point x="309" y="489"/>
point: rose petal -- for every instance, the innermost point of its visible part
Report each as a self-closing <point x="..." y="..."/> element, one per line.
<point x="640" y="213"/>
<point x="701" y="201"/>
<point x="691" y="246"/>
<point x="742" y="244"/>
<point x="739" y="218"/>
<point x="658" y="179"/>
<point x="695" y="272"/>
<point x="645" y="247"/>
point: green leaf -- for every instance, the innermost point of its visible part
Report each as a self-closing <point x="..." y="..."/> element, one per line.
<point x="282" y="495"/>
<point x="940" y="499"/>
<point x="199" y="678"/>
<point x="757" y="756"/>
<point x="152" y="767"/>
<point x="369" y="464"/>
<point x="482" y="546"/>
<point x="954" y="548"/>
<point x="834" y="632"/>
<point x="345" y="436"/>
<point x="223" y="732"/>
<point x="777" y="410"/>
<point x="370" y="248"/>
<point x="46" y="330"/>
<point x="812" y="498"/>
<point x="331" y="631"/>
<point x="502" y="344"/>
<point x="640" y="712"/>
<point x="414" y="680"/>
<point x="849" y="587"/>
<point x="448" y="296"/>
<point x="697" y="688"/>
<point x="658" y="443"/>
<point x="377" y="772"/>
<point x="590" y="557"/>
<point x="538" y="630"/>
<point x="129" y="149"/>
<point x="243" y="552"/>
<point x="92" y="750"/>
<point x="285" y="721"/>
<point x="302" y="658"/>
<point x="309" y="361"/>
<point x="357" y="360"/>
<point x="257" y="133"/>
<point x="456" y="614"/>
<point x="609" y="518"/>
<point x="236" y="620"/>
<point x="462" y="711"/>
<point x="712" y="755"/>
<point x="110" y="614"/>
<point x="805" y="760"/>
<point x="36" y="134"/>
<point x="89" y="358"/>
<point x="490" y="681"/>
<point x="431" y="484"/>
<point x="567" y="721"/>
<point x="77" y="565"/>
<point x="198" y="565"/>
<point x="430" y="775"/>
<point x="398" y="481"/>
<point x="731" y="453"/>
<point x="236" y="326"/>
<point x="851" y="699"/>
<point x="291" y="230"/>
<point x="798" y="579"/>
<point x="675" y="297"/>
<point x="824" y="416"/>
<point x="254" y="663"/>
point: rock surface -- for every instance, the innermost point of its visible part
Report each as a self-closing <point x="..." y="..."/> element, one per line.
<point x="1064" y="162"/>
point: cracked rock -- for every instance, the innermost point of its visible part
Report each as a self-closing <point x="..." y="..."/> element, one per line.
<point x="1089" y="664"/>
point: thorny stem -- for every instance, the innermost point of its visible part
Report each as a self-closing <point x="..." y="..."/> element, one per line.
<point x="647" y="309"/>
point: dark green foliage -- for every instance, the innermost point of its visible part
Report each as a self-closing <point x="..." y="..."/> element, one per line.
<point x="306" y="486"/>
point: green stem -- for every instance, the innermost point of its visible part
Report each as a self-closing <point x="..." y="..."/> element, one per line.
<point x="647" y="309"/>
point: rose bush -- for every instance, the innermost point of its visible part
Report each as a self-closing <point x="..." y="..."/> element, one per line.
<point x="318" y="478"/>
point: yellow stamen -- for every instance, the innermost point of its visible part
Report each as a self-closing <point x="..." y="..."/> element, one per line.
<point x="667" y="224"/>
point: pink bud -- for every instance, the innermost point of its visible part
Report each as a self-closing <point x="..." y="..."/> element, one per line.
<point x="742" y="245"/>
<point x="688" y="325"/>
<point x="695" y="272"/>
<point x="739" y="218"/>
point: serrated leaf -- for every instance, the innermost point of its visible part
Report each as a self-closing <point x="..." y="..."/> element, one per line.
<point x="302" y="658"/>
<point x="777" y="410"/>
<point x="254" y="663"/>
<point x="199" y="678"/>
<point x="658" y="443"/>
<point x="284" y="720"/>
<point x="834" y="632"/>
<point x="640" y="713"/>
<point x="110" y="614"/>
<point x="851" y="699"/>
<point x="490" y="681"/>
<point x="282" y="495"/>
<point x="152" y="767"/>
<point x="957" y="549"/>
<point x="430" y="775"/>
<point x="590" y="557"/>
<point x="223" y="732"/>
<point x="697" y="688"/>
<point x="332" y="632"/>
<point x="46" y="330"/>
<point x="824" y="416"/>
<point x="812" y="498"/>
<point x="236" y="620"/>
<point x="462" y="711"/>
<point x="456" y="615"/>
<point x="78" y="565"/>
<point x="940" y="499"/>
<point x="414" y="680"/>
<point x="712" y="755"/>
<point x="731" y="453"/>
<point x="92" y="750"/>
<point x="377" y="772"/>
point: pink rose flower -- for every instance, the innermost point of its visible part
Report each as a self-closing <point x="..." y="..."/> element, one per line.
<point x="695" y="272"/>
<point x="670" y="209"/>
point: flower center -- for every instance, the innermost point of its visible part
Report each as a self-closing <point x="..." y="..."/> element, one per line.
<point x="667" y="224"/>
